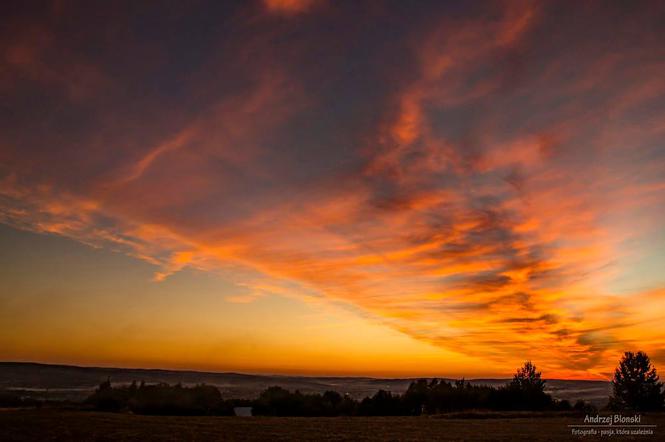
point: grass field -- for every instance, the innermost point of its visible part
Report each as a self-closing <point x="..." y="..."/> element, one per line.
<point x="62" y="425"/>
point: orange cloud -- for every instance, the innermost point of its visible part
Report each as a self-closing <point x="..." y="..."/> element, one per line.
<point x="288" y="6"/>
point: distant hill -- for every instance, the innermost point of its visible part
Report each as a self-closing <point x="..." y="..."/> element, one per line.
<point x="75" y="383"/>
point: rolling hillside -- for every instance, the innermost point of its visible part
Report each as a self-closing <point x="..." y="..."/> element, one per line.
<point x="58" y="382"/>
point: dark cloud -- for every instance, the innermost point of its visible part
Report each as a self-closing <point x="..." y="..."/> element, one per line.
<point x="547" y="319"/>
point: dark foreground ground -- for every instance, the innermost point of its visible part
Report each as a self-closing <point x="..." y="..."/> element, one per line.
<point x="60" y="425"/>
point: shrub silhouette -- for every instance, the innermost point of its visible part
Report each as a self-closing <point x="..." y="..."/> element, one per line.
<point x="383" y="403"/>
<point x="107" y="398"/>
<point x="438" y="396"/>
<point x="12" y="399"/>
<point x="160" y="399"/>
<point x="584" y="407"/>
<point x="277" y="401"/>
<point x="636" y="385"/>
<point x="163" y="399"/>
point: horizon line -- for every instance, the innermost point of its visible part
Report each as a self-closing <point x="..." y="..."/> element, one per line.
<point x="184" y="370"/>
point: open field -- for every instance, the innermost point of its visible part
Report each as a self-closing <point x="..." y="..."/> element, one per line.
<point x="62" y="425"/>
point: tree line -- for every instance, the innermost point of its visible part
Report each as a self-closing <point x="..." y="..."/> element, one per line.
<point x="635" y="387"/>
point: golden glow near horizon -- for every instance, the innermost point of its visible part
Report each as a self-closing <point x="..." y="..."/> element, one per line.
<point x="450" y="199"/>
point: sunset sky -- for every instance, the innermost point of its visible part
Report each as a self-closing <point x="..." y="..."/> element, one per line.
<point x="382" y="188"/>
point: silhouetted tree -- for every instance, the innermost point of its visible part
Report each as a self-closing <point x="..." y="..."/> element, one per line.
<point x="383" y="403"/>
<point x="107" y="398"/>
<point x="277" y="401"/>
<point x="636" y="385"/>
<point x="160" y="399"/>
<point x="563" y="405"/>
<point x="525" y="392"/>
<point x="106" y="385"/>
<point x="528" y="378"/>
<point x="416" y="397"/>
<point x="584" y="407"/>
<point x="439" y="396"/>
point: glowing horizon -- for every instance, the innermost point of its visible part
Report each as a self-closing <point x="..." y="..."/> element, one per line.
<point x="320" y="188"/>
